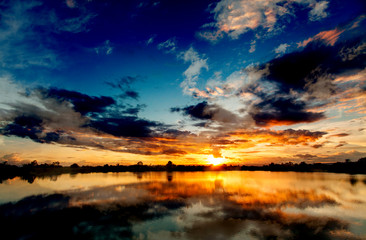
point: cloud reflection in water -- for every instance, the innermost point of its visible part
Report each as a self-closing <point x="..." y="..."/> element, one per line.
<point x="180" y="209"/>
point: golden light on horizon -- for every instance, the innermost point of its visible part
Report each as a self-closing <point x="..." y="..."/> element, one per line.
<point x="214" y="161"/>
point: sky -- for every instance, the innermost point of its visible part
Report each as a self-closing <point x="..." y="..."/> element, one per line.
<point x="248" y="82"/>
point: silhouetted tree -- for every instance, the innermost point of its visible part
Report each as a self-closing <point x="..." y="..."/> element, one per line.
<point x="31" y="164"/>
<point x="170" y="165"/>
<point x="74" y="165"/>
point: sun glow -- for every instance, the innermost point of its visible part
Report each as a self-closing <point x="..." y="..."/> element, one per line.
<point x="215" y="161"/>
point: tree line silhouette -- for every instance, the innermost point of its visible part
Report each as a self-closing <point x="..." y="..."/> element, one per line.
<point x="32" y="170"/>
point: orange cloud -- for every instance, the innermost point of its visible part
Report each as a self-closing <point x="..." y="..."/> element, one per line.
<point x="329" y="37"/>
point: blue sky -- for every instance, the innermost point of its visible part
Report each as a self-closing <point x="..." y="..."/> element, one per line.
<point x="242" y="80"/>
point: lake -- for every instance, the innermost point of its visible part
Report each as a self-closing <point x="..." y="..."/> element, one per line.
<point x="185" y="205"/>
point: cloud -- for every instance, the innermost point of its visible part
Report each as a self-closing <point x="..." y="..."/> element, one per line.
<point x="124" y="84"/>
<point x="192" y="73"/>
<point x="293" y="70"/>
<point x="329" y="37"/>
<point x="169" y="46"/>
<point x="28" y="29"/>
<point x="71" y="3"/>
<point x="150" y="40"/>
<point x="341" y="144"/>
<point x="18" y="35"/>
<point x="13" y="159"/>
<point x="236" y="17"/>
<point x="205" y="111"/>
<point x="337" y="156"/>
<point x="124" y="126"/>
<point x="52" y="115"/>
<point x="130" y="94"/>
<point x="305" y="156"/>
<point x="29" y="126"/>
<point x="318" y="12"/>
<point x="294" y="88"/>
<point x="252" y="46"/>
<point x="105" y="48"/>
<point x="339" y="135"/>
<point x="281" y="49"/>
<point x="288" y="136"/>
<point x="81" y="103"/>
<point x="274" y="111"/>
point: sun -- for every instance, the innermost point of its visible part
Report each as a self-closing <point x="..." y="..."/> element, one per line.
<point x="215" y="161"/>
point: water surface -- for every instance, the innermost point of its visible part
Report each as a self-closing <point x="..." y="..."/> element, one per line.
<point x="186" y="205"/>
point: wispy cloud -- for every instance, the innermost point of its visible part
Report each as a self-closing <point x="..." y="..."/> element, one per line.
<point x="329" y="37"/>
<point x="236" y="17"/>
<point x="282" y="48"/>
<point x="318" y="11"/>
<point x="150" y="40"/>
<point x="191" y="74"/>
<point x="106" y="48"/>
<point x="169" y="46"/>
<point x="28" y="40"/>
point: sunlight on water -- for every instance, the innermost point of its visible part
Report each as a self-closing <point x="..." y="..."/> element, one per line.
<point x="187" y="205"/>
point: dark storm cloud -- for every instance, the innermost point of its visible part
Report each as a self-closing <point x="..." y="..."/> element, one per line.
<point x="293" y="70"/>
<point x="297" y="82"/>
<point x="112" y="120"/>
<point x="282" y="111"/>
<point x="195" y="111"/>
<point x="74" y="119"/>
<point x="30" y="126"/>
<point x="134" y="110"/>
<point x="81" y="102"/>
<point x="206" y="111"/>
<point x="124" y="126"/>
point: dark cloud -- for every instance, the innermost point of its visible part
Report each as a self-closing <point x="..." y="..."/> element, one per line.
<point x="31" y="127"/>
<point x="81" y="102"/>
<point x="293" y="70"/>
<point x="296" y="82"/>
<point x="124" y="126"/>
<point x="174" y="133"/>
<point x="124" y="84"/>
<point x="206" y="111"/>
<point x="132" y="111"/>
<point x="74" y="119"/>
<point x="130" y="94"/>
<point x="171" y="151"/>
<point x="340" y="135"/>
<point x="305" y="156"/>
<point x="282" y="111"/>
<point x="341" y="144"/>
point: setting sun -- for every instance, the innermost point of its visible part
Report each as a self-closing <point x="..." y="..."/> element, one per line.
<point x="215" y="161"/>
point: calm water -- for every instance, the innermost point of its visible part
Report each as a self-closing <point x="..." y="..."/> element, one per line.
<point x="185" y="205"/>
